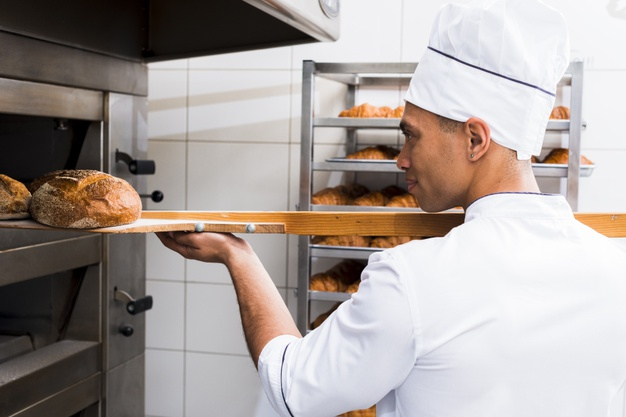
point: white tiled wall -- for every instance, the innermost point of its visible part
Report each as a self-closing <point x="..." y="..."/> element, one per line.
<point x="224" y="132"/>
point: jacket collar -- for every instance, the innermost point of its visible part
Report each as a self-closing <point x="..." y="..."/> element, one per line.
<point x="520" y="205"/>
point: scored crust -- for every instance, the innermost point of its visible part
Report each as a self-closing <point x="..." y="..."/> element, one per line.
<point x="14" y="199"/>
<point x="83" y="199"/>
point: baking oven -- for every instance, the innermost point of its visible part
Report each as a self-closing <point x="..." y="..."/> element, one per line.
<point x="73" y="95"/>
<point x="69" y="342"/>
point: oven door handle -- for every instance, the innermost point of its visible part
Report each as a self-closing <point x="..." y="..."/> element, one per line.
<point x="133" y="306"/>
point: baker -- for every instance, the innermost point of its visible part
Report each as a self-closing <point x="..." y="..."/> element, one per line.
<point x="519" y="311"/>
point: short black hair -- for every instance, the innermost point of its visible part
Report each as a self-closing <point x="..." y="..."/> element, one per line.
<point x="448" y="125"/>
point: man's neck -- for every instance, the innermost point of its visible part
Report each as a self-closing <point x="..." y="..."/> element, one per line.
<point x="498" y="175"/>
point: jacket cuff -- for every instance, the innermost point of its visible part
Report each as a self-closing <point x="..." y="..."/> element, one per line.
<point x="271" y="372"/>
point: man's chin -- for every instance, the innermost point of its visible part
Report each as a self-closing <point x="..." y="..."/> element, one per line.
<point x="434" y="207"/>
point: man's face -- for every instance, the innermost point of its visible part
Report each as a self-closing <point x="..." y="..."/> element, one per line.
<point x="433" y="160"/>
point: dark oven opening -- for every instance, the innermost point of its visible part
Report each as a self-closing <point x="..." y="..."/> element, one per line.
<point x="31" y="146"/>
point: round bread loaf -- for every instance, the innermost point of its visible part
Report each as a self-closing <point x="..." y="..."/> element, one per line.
<point x="83" y="199"/>
<point x="14" y="199"/>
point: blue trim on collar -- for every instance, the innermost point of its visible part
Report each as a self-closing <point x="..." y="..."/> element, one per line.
<point x="514" y="192"/>
<point x="282" y="391"/>
<point x="492" y="72"/>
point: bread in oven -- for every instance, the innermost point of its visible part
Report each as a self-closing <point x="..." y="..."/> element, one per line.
<point x="83" y="199"/>
<point x="14" y="199"/>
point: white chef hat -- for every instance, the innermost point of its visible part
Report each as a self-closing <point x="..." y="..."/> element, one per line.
<point x="499" y="60"/>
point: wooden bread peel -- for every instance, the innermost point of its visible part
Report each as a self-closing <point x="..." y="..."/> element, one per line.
<point x="319" y="223"/>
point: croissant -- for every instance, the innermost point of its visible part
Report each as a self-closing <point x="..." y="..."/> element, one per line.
<point x="385" y="242"/>
<point x="340" y="195"/>
<point x="347" y="271"/>
<point x="397" y="112"/>
<point x="338" y="278"/>
<point x="384" y="111"/>
<point x="375" y="152"/>
<point x="320" y="319"/>
<point x="367" y="110"/>
<point x="375" y="198"/>
<point x="324" y="282"/>
<point x="353" y="190"/>
<point x="354" y="287"/>
<point x="369" y="412"/>
<point x="388" y="112"/>
<point x="364" y="110"/>
<point x="392" y="190"/>
<point x="403" y="200"/>
<point x="330" y="196"/>
<point x="561" y="156"/>
<point x="358" y="241"/>
<point x="560" y="113"/>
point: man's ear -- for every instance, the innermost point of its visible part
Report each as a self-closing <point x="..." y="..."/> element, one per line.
<point x="479" y="137"/>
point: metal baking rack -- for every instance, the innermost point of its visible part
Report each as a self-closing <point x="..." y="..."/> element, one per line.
<point x="357" y="76"/>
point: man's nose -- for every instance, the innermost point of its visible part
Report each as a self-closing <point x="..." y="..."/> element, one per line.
<point x="403" y="161"/>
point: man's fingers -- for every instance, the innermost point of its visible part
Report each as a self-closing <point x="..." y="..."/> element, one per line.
<point x="172" y="241"/>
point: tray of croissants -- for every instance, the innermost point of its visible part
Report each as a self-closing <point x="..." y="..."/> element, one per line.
<point x="344" y="277"/>
<point x="555" y="163"/>
<point x="556" y="160"/>
<point x="356" y="196"/>
<point x="552" y="164"/>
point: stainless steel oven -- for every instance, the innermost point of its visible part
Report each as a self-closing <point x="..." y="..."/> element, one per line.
<point x="68" y="343"/>
<point x="73" y="88"/>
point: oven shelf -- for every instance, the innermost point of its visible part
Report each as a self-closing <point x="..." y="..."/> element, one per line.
<point x="51" y="377"/>
<point x="32" y="261"/>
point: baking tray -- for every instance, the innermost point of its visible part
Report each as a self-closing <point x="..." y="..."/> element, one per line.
<point x="539" y="169"/>
<point x="357" y="165"/>
<point x="560" y="170"/>
<point x="363" y="161"/>
<point x="394" y="123"/>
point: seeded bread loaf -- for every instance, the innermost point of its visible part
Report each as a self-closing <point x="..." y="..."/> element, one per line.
<point x="83" y="199"/>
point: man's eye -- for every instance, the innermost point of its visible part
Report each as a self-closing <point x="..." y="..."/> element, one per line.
<point x="407" y="136"/>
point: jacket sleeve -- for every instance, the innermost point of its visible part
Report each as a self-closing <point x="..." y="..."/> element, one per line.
<point x="365" y="349"/>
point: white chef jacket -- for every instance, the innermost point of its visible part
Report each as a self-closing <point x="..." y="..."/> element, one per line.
<point x="520" y="311"/>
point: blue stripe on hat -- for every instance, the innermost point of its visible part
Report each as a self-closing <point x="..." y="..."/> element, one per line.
<point x="493" y="73"/>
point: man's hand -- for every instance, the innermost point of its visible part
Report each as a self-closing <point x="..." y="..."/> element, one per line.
<point x="205" y="247"/>
<point x="264" y="314"/>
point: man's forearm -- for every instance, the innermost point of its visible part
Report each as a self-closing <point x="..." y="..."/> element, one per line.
<point x="264" y="314"/>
